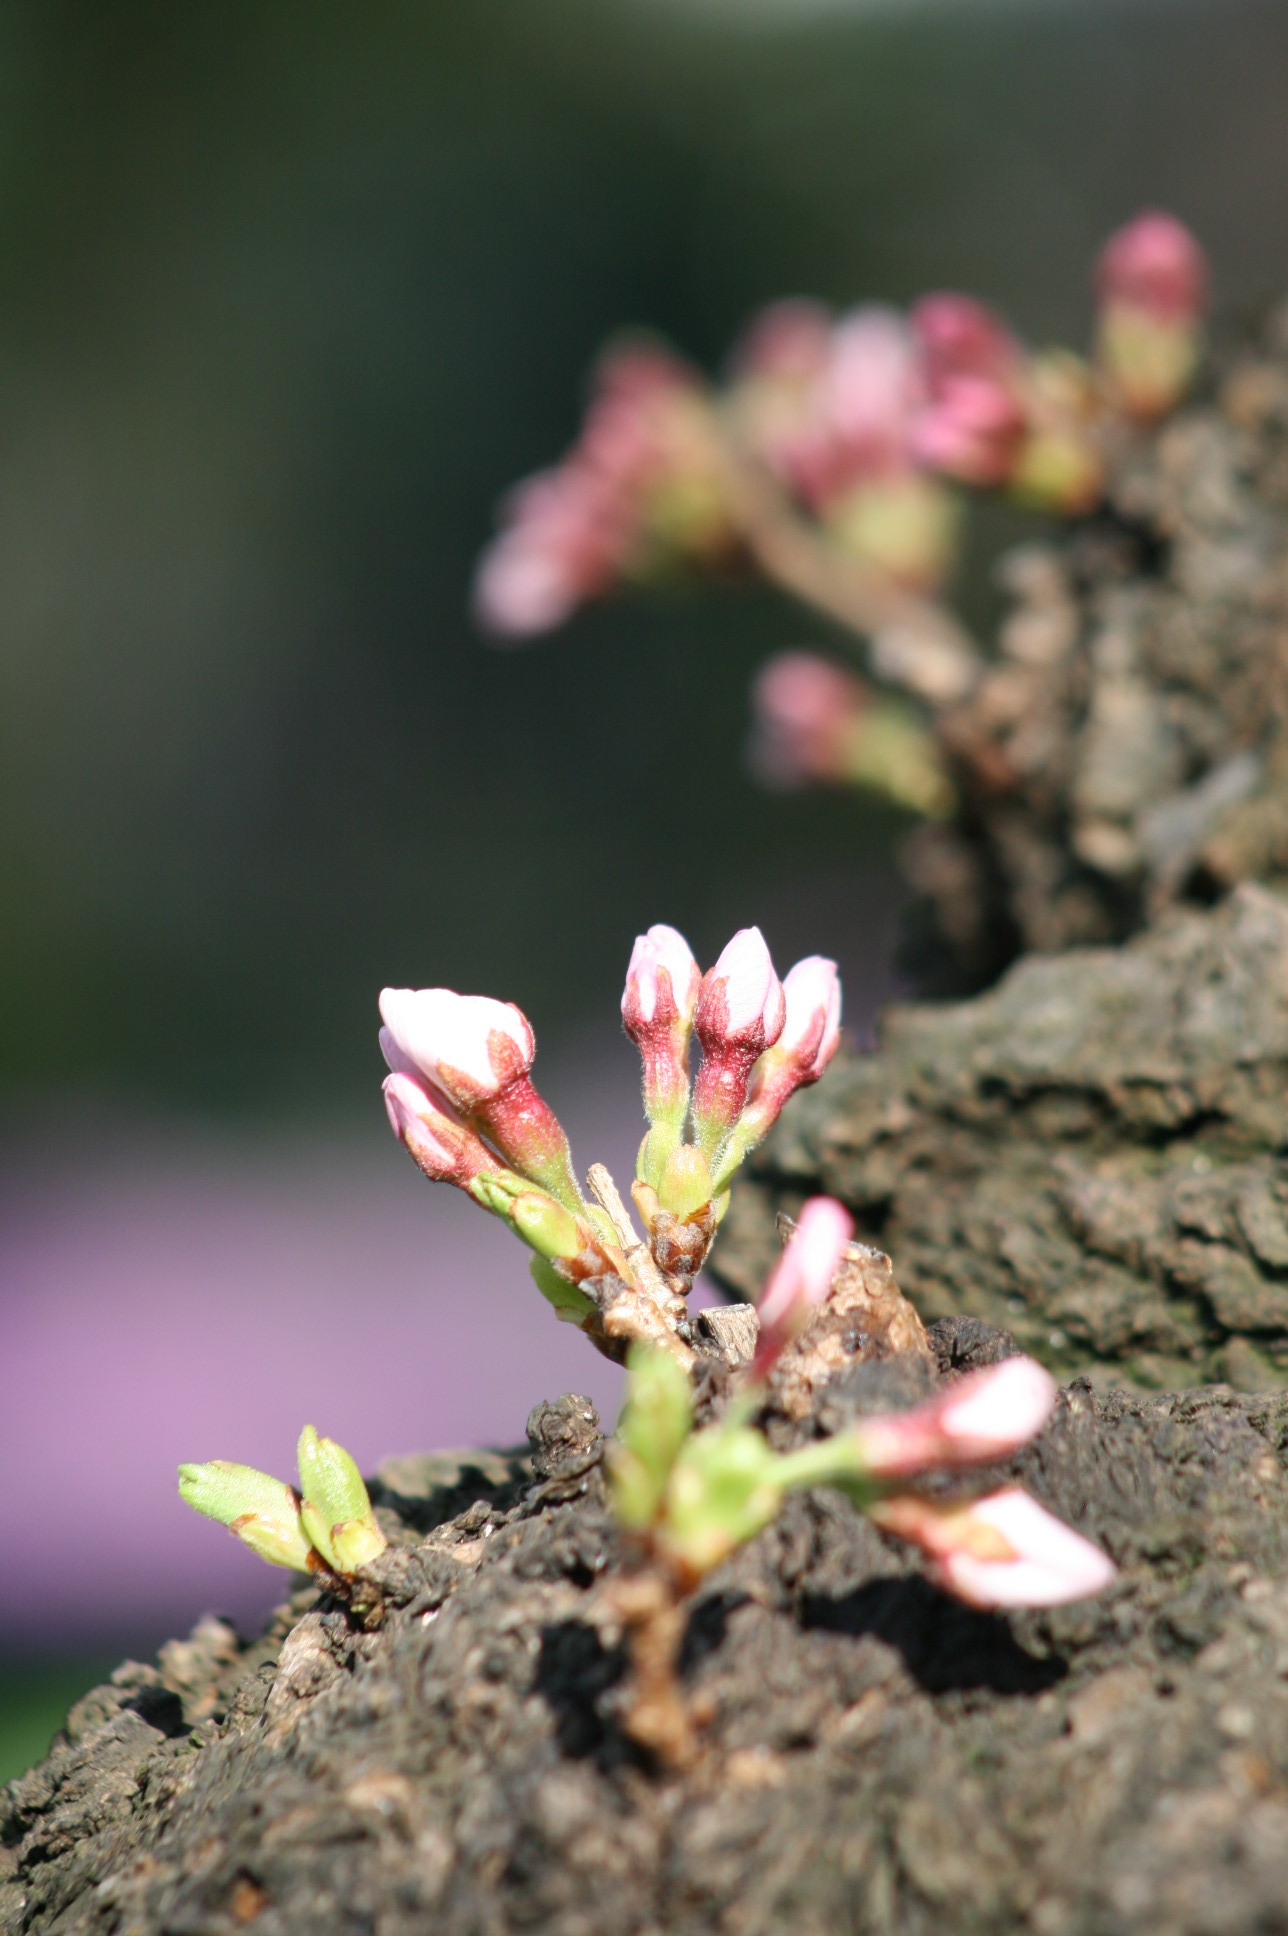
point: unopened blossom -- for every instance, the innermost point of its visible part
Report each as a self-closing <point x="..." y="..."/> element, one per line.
<point x="775" y="404"/>
<point x="973" y="420"/>
<point x="740" y="1013"/>
<point x="443" y="1147"/>
<point x="807" y="713"/>
<point x="802" y="1277"/>
<point x="987" y="1415"/>
<point x="477" y="1052"/>
<point x="816" y="723"/>
<point x="1001" y="1551"/>
<point x="810" y="1037"/>
<point x="658" y="1003"/>
<point x="1151" y="289"/>
<point x="642" y="487"/>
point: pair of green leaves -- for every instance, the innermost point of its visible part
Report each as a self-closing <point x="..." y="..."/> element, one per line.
<point x="328" y="1519"/>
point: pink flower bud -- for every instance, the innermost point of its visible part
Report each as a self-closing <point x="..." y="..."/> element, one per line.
<point x="443" y="1147"/>
<point x="1151" y="285"/>
<point x="567" y="538"/>
<point x="872" y="389"/>
<point x="1002" y="1551"/>
<point x="973" y="421"/>
<point x="807" y="713"/>
<point x="740" y="1013"/>
<point x="661" y="993"/>
<point x="811" y="1033"/>
<point x="1154" y="264"/>
<point x="802" y="1278"/>
<point x="984" y="1416"/>
<point x="662" y="982"/>
<point x="478" y="1052"/>
<point x="741" y="1000"/>
<point x="470" y="1046"/>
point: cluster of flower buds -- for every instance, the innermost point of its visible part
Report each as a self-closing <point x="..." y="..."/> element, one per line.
<point x="327" y="1526"/>
<point x="691" y="1498"/>
<point x="460" y="1098"/>
<point x="642" y="490"/>
<point x="815" y="723"/>
<point x="761" y="1040"/>
<point x="833" y="462"/>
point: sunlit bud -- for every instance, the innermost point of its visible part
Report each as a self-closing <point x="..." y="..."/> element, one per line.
<point x="973" y="419"/>
<point x="478" y="1051"/>
<point x="811" y="1032"/>
<point x="470" y="1046"/>
<point x="802" y="1277"/>
<point x="262" y="1512"/>
<point x="987" y="1415"/>
<point x="1059" y="467"/>
<point x="685" y="1186"/>
<point x="443" y="1147"/>
<point x="545" y="1226"/>
<point x="336" y="1510"/>
<point x="1151" y="286"/>
<point x="661" y="993"/>
<point x="724" y="1489"/>
<point x="656" y="1420"/>
<point x="740" y="1013"/>
<point x="1002" y="1551"/>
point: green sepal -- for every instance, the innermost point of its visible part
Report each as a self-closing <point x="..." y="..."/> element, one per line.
<point x="545" y="1226"/>
<point x="724" y="1490"/>
<point x="336" y="1509"/>
<point x="656" y="1420"/>
<point x="686" y="1182"/>
<point x="571" y="1305"/>
<point x="260" y="1511"/>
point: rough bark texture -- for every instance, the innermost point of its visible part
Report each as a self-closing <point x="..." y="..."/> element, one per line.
<point x="1091" y="1154"/>
<point x="878" y="1758"/>
<point x="1128" y="747"/>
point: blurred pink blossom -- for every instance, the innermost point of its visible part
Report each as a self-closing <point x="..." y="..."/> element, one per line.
<point x="973" y="420"/>
<point x="1154" y="264"/>
<point x="806" y="711"/>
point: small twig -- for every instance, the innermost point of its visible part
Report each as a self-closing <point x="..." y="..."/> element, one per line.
<point x="791" y="555"/>
<point x="638" y="1257"/>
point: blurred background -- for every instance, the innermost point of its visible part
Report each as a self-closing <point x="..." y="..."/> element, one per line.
<point x="288" y="295"/>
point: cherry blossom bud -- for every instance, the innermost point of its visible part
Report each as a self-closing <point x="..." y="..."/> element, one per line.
<point x="811" y="1033"/>
<point x="740" y="1013"/>
<point x="443" y="1148"/>
<point x="808" y="713"/>
<point x="802" y="1278"/>
<point x="987" y="1415"/>
<point x="1151" y="286"/>
<point x="567" y="537"/>
<point x="1153" y="263"/>
<point x="477" y="1052"/>
<point x="973" y="421"/>
<point x="470" y="1046"/>
<point x="661" y="994"/>
<point x="1001" y="1551"/>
